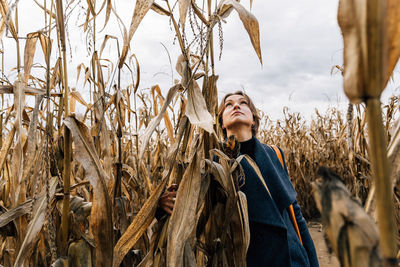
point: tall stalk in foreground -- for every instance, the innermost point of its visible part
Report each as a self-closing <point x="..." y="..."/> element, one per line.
<point x="67" y="133"/>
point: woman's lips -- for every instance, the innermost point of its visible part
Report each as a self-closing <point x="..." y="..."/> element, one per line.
<point x="236" y="113"/>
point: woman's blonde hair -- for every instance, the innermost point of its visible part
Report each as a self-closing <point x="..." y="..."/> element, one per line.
<point x="221" y="109"/>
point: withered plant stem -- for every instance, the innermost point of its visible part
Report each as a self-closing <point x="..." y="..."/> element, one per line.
<point x="384" y="198"/>
<point x="50" y="227"/>
<point x="94" y="27"/>
<point x="2" y="72"/>
<point x="17" y="42"/>
<point x="67" y="132"/>
<point x="210" y="47"/>
<point x="178" y="33"/>
<point x="136" y="136"/>
<point x="1" y="131"/>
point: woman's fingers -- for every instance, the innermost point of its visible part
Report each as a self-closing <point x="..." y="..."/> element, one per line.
<point x="167" y="200"/>
<point x="172" y="187"/>
<point x="168" y="211"/>
<point x="168" y="206"/>
<point x="169" y="195"/>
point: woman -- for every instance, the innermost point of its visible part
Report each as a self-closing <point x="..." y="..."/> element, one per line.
<point x="273" y="237"/>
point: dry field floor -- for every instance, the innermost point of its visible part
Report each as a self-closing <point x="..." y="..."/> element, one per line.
<point x="324" y="257"/>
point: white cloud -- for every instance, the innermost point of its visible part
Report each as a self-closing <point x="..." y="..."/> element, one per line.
<point x="300" y="43"/>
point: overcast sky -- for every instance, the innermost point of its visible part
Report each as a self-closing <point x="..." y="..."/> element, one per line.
<point x="300" y="43"/>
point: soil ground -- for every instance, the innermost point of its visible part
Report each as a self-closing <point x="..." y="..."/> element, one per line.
<point x="324" y="257"/>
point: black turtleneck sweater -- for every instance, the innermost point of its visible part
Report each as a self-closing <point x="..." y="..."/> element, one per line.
<point x="247" y="147"/>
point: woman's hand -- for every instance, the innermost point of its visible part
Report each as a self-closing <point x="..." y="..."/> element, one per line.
<point x="167" y="200"/>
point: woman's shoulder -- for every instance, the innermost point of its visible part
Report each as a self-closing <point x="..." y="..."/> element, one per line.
<point x="276" y="152"/>
<point x="271" y="148"/>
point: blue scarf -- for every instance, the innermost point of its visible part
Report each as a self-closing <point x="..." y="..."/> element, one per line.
<point x="261" y="207"/>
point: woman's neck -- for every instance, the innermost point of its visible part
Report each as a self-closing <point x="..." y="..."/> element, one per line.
<point x="241" y="136"/>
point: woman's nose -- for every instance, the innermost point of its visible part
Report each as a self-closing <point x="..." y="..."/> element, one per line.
<point x="236" y="105"/>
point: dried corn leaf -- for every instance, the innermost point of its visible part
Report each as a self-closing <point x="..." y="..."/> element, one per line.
<point x="6" y="147"/>
<point x="35" y="225"/>
<point x="147" y="212"/>
<point x="147" y="260"/>
<point x="120" y="105"/>
<point x="45" y="43"/>
<point x="157" y="8"/>
<point x="79" y="254"/>
<point x="72" y="105"/>
<point x="189" y="259"/>
<point x="125" y="33"/>
<point x="4" y="10"/>
<point x="145" y="137"/>
<point x="196" y="109"/>
<point x="199" y="13"/>
<point x="183" y="218"/>
<point x="218" y="173"/>
<point x="106" y="38"/>
<point x="183" y="8"/>
<point x="393" y="26"/>
<point x="2" y="26"/>
<point x="100" y="79"/>
<point x="100" y="110"/>
<point x="137" y="74"/>
<point x="108" y="12"/>
<point x="181" y="65"/>
<point x="100" y="219"/>
<point x="91" y="10"/>
<point x="155" y="106"/>
<point x="32" y="139"/>
<point x="61" y="262"/>
<point x="78" y="70"/>
<point x="352" y="21"/>
<point x="236" y="213"/>
<point x="167" y="121"/>
<point x="60" y="23"/>
<point x="371" y="46"/>
<point x="236" y="209"/>
<point x="55" y="77"/>
<point x="141" y="8"/>
<point x="18" y="156"/>
<point x="77" y="96"/>
<point x="30" y="48"/>
<point x="212" y="94"/>
<point x="351" y="232"/>
<point x="249" y="21"/>
<point x="240" y="229"/>
<point x="139" y="224"/>
<point x="91" y="7"/>
<point x="16" y="212"/>
<point x="169" y="127"/>
<point x="87" y="20"/>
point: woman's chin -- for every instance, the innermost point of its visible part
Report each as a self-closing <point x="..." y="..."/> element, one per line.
<point x="239" y="126"/>
<point x="240" y="122"/>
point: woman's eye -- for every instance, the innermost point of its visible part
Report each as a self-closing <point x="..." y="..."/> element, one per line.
<point x="243" y="102"/>
<point x="228" y="104"/>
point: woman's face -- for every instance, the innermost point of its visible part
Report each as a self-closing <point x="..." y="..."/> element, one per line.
<point x="237" y="113"/>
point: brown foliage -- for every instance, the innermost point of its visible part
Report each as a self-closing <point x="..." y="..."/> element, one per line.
<point x="123" y="156"/>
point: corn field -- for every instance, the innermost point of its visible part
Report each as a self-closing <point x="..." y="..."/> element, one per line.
<point x="333" y="139"/>
<point x="83" y="187"/>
